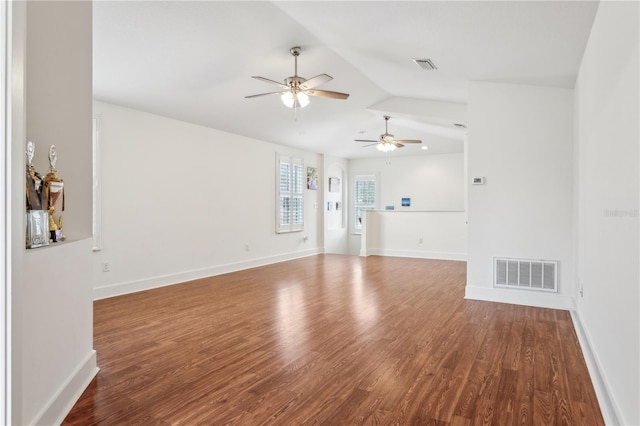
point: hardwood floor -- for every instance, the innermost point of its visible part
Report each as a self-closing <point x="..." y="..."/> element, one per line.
<point x="334" y="340"/>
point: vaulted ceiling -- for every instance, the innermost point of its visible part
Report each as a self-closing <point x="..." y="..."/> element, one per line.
<point x="193" y="61"/>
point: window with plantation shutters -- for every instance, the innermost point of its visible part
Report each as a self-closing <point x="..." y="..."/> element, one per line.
<point x="290" y="201"/>
<point x="364" y="198"/>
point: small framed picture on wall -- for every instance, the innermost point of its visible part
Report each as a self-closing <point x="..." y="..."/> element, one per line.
<point x="312" y="178"/>
<point x="334" y="184"/>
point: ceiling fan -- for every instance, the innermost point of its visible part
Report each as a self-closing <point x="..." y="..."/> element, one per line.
<point x="387" y="143"/>
<point x="296" y="90"/>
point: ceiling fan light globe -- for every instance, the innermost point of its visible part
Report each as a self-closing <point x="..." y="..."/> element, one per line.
<point x="287" y="99"/>
<point x="385" y="147"/>
<point x="303" y="99"/>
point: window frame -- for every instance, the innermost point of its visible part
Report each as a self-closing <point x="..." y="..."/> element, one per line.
<point x="362" y="176"/>
<point x="295" y="194"/>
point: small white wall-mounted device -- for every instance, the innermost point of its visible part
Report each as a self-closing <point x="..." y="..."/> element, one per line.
<point x="478" y="180"/>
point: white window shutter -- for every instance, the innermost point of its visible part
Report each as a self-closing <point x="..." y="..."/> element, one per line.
<point x="290" y="195"/>
<point x="364" y="197"/>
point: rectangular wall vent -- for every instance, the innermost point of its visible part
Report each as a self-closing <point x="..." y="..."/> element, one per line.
<point x="528" y="274"/>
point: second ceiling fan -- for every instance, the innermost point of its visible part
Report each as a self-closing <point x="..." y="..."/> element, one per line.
<point x="386" y="142"/>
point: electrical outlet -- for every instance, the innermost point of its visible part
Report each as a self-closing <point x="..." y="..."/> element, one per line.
<point x="420" y="240"/>
<point x="581" y="289"/>
<point x="246" y="247"/>
<point x="105" y="266"/>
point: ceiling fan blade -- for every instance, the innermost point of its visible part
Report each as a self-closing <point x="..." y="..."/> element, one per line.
<point x="266" y="80"/>
<point x="265" y="94"/>
<point x="315" y="81"/>
<point x="409" y="141"/>
<point x="371" y="144"/>
<point x="398" y="145"/>
<point x="366" y="140"/>
<point x="327" y="94"/>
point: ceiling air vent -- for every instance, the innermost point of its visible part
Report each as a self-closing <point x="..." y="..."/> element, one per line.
<point x="425" y="64"/>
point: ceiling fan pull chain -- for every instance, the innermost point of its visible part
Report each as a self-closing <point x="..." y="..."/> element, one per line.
<point x="296" y="113"/>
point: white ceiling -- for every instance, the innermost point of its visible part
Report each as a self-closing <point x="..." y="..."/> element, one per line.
<point x="193" y="61"/>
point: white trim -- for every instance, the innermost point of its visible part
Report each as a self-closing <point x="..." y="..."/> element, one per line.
<point x="520" y="297"/>
<point x="55" y="411"/>
<point x="5" y="227"/>
<point x="97" y="182"/>
<point x="417" y="211"/>
<point x="414" y="254"/>
<point x="16" y="136"/>
<point x="609" y="409"/>
<point x="166" y="280"/>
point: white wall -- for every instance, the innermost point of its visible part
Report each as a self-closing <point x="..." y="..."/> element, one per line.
<point x="520" y="140"/>
<point x="167" y="185"/>
<point x="607" y="135"/>
<point x="433" y="182"/>
<point x="57" y="62"/>
<point x="58" y="361"/>
<point x="336" y="224"/>
<point x="412" y="233"/>
<point x="52" y="329"/>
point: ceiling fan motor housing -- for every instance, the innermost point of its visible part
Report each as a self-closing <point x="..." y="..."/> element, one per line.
<point x="294" y="81"/>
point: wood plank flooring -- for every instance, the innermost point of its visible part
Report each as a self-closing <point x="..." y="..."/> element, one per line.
<point x="333" y="340"/>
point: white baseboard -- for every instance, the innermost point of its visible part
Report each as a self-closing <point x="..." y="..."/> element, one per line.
<point x="520" y="297"/>
<point x="556" y="301"/>
<point x="62" y="402"/>
<point x="180" y="277"/>
<point x="608" y="408"/>
<point x="414" y="254"/>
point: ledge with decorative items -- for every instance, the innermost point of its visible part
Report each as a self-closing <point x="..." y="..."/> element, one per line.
<point x="45" y="195"/>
